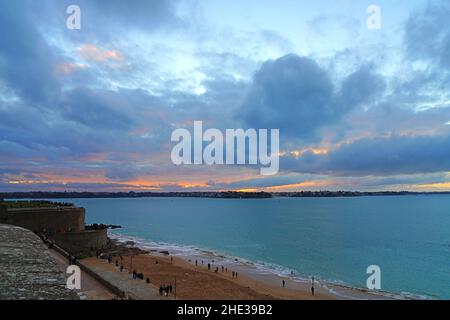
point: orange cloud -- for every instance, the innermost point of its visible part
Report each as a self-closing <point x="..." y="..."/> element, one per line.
<point x="315" y="151"/>
<point x="440" y="186"/>
<point x="91" y="52"/>
<point x="306" y="184"/>
<point x="68" y="68"/>
<point x="189" y="185"/>
<point x="248" y="190"/>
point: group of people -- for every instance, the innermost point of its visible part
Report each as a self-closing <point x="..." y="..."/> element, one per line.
<point x="165" y="290"/>
<point x="135" y="274"/>
<point x="99" y="254"/>
<point x="234" y="274"/>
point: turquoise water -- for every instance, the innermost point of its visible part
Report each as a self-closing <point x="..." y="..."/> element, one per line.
<point x="334" y="239"/>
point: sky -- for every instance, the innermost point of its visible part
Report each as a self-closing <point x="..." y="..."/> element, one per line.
<point x="94" y="109"/>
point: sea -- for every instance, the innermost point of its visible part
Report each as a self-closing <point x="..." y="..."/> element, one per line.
<point x="333" y="239"/>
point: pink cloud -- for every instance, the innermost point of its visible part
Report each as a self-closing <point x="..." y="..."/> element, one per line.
<point x="93" y="53"/>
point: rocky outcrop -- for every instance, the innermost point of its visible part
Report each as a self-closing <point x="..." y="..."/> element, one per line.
<point x="27" y="271"/>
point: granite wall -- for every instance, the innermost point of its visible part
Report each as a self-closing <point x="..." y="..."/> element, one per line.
<point x="48" y="220"/>
<point x="79" y="242"/>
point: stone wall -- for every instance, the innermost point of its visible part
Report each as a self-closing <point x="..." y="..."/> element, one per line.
<point x="27" y="271"/>
<point x="49" y="220"/>
<point x="78" y="242"/>
<point x="64" y="225"/>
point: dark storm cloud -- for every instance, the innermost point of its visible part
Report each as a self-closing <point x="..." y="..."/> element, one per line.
<point x="298" y="96"/>
<point x="378" y="156"/>
<point x="26" y="60"/>
<point x="360" y="87"/>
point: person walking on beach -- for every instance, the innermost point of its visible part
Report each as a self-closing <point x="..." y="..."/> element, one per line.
<point x="209" y="266"/>
<point x="284" y="283"/>
<point x="232" y="274"/>
<point x="312" y="286"/>
<point x="235" y="274"/>
<point x="196" y="262"/>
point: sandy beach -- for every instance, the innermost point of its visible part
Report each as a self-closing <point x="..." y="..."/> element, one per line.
<point x="194" y="281"/>
<point x="197" y="282"/>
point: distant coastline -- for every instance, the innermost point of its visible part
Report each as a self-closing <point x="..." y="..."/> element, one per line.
<point x="214" y="195"/>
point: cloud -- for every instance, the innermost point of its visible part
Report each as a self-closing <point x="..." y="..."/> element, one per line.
<point x="100" y="109"/>
<point x="377" y="156"/>
<point x="26" y="60"/>
<point x="123" y="172"/>
<point x="298" y="96"/>
<point x="69" y="68"/>
<point x="145" y="14"/>
<point x="427" y="33"/>
<point x="361" y="86"/>
<point x="292" y="93"/>
<point x="106" y="20"/>
<point x="65" y="110"/>
<point x="93" y="53"/>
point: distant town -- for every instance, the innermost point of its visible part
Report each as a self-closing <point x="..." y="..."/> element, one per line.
<point x="218" y="195"/>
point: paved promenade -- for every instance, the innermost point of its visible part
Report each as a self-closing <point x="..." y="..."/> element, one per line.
<point x="134" y="288"/>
